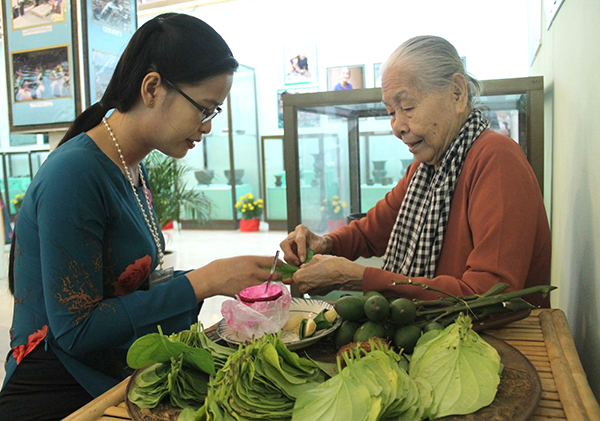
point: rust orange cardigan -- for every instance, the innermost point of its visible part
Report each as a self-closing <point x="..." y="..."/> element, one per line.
<point x="497" y="228"/>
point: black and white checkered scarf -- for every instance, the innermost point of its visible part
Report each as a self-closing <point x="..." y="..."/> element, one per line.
<point x="416" y="239"/>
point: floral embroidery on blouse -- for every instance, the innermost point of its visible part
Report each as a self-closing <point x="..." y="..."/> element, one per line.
<point x="19" y="352"/>
<point x="134" y="275"/>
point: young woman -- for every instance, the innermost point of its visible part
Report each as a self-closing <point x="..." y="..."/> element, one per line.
<point x="87" y="274"/>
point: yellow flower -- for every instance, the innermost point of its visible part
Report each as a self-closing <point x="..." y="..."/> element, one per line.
<point x="242" y="198"/>
<point x="260" y="206"/>
<point x="344" y="204"/>
<point x="336" y="197"/>
<point x="337" y="209"/>
<point x="260" y="201"/>
<point x="322" y="208"/>
<point x="334" y="203"/>
<point x="14" y="201"/>
<point x="251" y="207"/>
<point x="238" y="204"/>
<point x="250" y="196"/>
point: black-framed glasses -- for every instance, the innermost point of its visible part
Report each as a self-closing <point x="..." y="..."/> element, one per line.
<point x="206" y="115"/>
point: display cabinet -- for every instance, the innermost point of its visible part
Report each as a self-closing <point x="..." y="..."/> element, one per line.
<point x="353" y="158"/>
<point x="18" y="169"/>
<point x="226" y="165"/>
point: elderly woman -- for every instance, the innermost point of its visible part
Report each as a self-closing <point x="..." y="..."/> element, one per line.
<point x="467" y="214"/>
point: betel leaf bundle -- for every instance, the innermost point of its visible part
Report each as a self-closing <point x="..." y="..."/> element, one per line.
<point x="176" y="366"/>
<point x="463" y="369"/>
<point x="260" y="380"/>
<point x="372" y="386"/>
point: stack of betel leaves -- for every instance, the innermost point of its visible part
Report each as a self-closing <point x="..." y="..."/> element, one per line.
<point x="176" y="366"/>
<point x="403" y="321"/>
<point x="452" y="372"/>
<point x="261" y="380"/>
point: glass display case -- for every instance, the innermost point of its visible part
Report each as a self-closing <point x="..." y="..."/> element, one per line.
<point x="352" y="159"/>
<point x="18" y="169"/>
<point x="225" y="165"/>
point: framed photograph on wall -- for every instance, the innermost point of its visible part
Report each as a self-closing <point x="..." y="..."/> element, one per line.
<point x="42" y="70"/>
<point x="300" y="64"/>
<point x="41" y="74"/>
<point x="343" y="78"/>
<point x="30" y="14"/>
<point x="377" y="75"/>
<point x="118" y="14"/>
<point x="304" y="119"/>
<point x="108" y="25"/>
<point x="104" y="65"/>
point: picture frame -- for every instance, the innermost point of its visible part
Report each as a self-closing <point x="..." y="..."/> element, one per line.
<point x="108" y="25"/>
<point x="103" y="67"/>
<point x="115" y="14"/>
<point x="346" y="77"/>
<point x="377" y="75"/>
<point x="304" y="119"/>
<point x="41" y="74"/>
<point x="32" y="14"/>
<point x="42" y="70"/>
<point x="300" y="64"/>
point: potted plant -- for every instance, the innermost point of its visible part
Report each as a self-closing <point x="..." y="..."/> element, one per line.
<point x="332" y="208"/>
<point x="18" y="201"/>
<point x="169" y="193"/>
<point x="251" y="210"/>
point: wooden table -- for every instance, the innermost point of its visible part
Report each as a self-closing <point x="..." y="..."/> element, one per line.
<point x="544" y="338"/>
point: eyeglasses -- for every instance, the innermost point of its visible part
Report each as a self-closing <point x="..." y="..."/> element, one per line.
<point x="205" y="114"/>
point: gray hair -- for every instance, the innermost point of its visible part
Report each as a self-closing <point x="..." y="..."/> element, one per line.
<point x="432" y="61"/>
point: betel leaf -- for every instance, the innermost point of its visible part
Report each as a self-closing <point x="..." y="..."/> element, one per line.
<point x="287" y="270"/>
<point x="339" y="398"/>
<point x="156" y="348"/>
<point x="463" y="369"/>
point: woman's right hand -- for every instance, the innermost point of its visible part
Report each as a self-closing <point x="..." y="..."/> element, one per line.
<point x="295" y="244"/>
<point x="231" y="275"/>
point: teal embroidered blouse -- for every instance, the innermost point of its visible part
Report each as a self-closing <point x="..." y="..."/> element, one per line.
<point x="82" y="260"/>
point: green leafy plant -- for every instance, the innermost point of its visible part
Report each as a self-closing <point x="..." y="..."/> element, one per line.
<point x="169" y="193"/>
<point x="333" y="207"/>
<point x="250" y="207"/>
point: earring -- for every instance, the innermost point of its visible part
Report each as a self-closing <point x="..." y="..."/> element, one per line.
<point x="151" y="104"/>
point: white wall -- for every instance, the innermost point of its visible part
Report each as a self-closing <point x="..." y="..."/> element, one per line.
<point x="569" y="59"/>
<point x="491" y="34"/>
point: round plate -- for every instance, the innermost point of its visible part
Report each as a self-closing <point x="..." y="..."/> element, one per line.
<point x="308" y="307"/>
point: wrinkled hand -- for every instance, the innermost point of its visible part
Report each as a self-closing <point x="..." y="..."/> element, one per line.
<point x="295" y="244"/>
<point x="326" y="273"/>
<point x="230" y="276"/>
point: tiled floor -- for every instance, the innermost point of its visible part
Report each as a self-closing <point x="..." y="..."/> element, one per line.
<point x="194" y="249"/>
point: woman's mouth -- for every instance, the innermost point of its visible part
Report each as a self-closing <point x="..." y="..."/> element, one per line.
<point x="192" y="143"/>
<point x="413" y="146"/>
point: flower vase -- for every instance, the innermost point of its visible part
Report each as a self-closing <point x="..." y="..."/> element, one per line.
<point x="249" y="225"/>
<point x="333" y="224"/>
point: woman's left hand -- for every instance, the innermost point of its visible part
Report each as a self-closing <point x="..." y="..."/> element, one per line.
<point x="325" y="273"/>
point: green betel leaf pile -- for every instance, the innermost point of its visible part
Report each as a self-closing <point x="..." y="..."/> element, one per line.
<point x="451" y="372"/>
<point x="463" y="369"/>
<point x="372" y="386"/>
<point x="178" y="366"/>
<point x="261" y="380"/>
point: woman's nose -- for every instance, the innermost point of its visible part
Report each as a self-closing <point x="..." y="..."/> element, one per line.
<point x="399" y="127"/>
<point x="205" y="127"/>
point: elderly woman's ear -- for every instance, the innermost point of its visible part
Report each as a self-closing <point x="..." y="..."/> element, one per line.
<point x="460" y="93"/>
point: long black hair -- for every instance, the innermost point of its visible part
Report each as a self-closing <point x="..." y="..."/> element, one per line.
<point x="181" y="48"/>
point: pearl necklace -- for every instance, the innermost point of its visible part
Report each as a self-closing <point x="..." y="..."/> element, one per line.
<point x="149" y="221"/>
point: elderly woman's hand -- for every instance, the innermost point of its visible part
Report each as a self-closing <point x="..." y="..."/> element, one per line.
<point x="326" y="273"/>
<point x="295" y="244"/>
